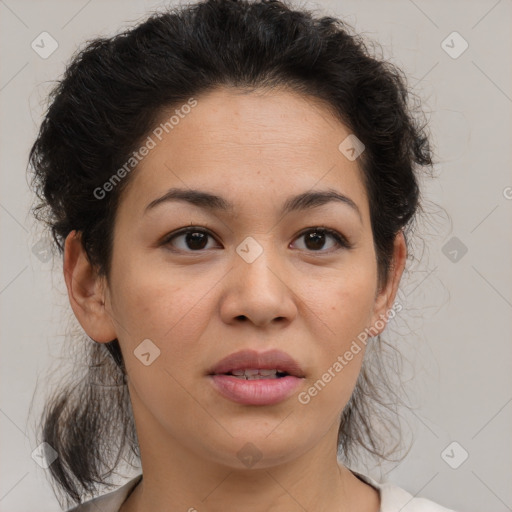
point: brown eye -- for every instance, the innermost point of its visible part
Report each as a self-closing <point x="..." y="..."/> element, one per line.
<point x="193" y="239"/>
<point x="190" y="240"/>
<point x="196" y="240"/>
<point x="315" y="239"/>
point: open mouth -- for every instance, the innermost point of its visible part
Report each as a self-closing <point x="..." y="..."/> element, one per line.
<point x="257" y="374"/>
<point x="277" y="374"/>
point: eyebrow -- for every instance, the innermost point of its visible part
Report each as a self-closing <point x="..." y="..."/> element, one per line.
<point x="212" y="202"/>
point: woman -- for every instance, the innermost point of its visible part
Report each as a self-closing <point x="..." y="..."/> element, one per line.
<point x="230" y="184"/>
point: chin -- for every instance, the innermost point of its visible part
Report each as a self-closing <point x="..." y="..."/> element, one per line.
<point x="257" y="448"/>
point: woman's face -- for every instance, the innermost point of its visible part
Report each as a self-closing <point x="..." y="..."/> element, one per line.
<point x="253" y="277"/>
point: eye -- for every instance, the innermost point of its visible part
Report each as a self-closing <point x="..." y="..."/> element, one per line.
<point x="315" y="239"/>
<point x="193" y="238"/>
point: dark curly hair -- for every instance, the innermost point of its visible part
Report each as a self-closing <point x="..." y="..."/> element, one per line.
<point x="111" y="96"/>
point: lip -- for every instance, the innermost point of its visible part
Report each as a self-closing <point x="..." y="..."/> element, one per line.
<point x="271" y="359"/>
<point x="255" y="392"/>
<point x="258" y="391"/>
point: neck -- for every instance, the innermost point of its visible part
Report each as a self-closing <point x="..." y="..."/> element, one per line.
<point x="179" y="480"/>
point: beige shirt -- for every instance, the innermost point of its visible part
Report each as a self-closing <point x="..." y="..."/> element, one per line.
<point x="392" y="498"/>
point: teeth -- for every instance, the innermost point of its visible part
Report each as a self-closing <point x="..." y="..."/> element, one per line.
<point x="251" y="371"/>
<point x="255" y="374"/>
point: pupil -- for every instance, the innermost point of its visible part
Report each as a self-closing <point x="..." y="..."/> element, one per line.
<point x="194" y="240"/>
<point x="317" y="238"/>
<point x="197" y="240"/>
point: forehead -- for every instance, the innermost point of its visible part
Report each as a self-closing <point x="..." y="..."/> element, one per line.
<point x="247" y="145"/>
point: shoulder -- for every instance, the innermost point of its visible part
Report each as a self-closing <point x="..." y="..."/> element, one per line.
<point x="395" y="499"/>
<point x="110" y="502"/>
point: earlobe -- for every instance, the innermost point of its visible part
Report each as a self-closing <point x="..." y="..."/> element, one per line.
<point x="86" y="291"/>
<point x="386" y="296"/>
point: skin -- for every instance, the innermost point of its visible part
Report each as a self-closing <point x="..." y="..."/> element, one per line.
<point x="255" y="149"/>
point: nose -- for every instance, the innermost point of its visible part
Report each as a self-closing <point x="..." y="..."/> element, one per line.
<point x="258" y="291"/>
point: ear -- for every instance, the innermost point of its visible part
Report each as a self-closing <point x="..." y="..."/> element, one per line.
<point x="386" y="295"/>
<point x="86" y="291"/>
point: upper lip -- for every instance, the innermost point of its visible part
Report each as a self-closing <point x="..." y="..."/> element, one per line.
<point x="246" y="359"/>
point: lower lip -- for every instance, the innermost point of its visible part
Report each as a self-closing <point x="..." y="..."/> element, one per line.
<point x="256" y="392"/>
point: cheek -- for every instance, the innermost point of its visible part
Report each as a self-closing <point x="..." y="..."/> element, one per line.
<point x="344" y="303"/>
<point x="352" y="308"/>
<point x="167" y="309"/>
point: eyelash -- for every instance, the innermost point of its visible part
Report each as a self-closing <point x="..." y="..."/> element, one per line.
<point x="342" y="242"/>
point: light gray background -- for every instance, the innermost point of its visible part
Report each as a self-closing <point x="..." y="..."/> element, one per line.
<point x="458" y="314"/>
